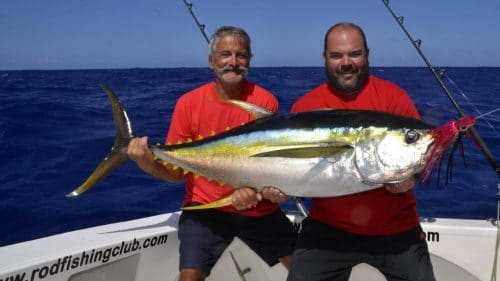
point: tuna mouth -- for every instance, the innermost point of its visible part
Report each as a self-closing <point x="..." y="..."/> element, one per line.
<point x="444" y="137"/>
<point x="423" y="149"/>
<point x="429" y="144"/>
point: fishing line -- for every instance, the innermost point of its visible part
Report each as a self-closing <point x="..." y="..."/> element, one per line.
<point x="487" y="113"/>
<point x="473" y="132"/>
<point x="468" y="100"/>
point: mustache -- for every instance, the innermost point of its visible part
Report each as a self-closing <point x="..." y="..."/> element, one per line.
<point x="241" y="70"/>
<point x="348" y="69"/>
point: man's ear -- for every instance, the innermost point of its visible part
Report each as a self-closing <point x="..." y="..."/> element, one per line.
<point x="210" y="63"/>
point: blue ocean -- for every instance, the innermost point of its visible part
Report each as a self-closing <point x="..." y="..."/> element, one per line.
<point x="56" y="126"/>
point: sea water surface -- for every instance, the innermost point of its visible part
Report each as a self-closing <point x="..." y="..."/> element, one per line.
<point x="56" y="126"/>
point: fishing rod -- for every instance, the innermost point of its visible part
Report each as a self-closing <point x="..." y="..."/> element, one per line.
<point x="474" y="133"/>
<point x="201" y="26"/>
<point x="298" y="201"/>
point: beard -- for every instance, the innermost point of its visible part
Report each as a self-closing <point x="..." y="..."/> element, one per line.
<point x="348" y="85"/>
<point x="231" y="74"/>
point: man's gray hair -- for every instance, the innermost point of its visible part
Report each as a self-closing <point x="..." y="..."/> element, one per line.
<point x="224" y="31"/>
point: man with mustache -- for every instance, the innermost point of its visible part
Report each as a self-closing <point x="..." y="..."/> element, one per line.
<point x="378" y="227"/>
<point x="255" y="218"/>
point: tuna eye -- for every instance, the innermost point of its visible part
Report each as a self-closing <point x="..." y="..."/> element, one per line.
<point x="411" y="136"/>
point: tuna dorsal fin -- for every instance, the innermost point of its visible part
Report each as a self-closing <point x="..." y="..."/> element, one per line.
<point x="307" y="152"/>
<point x="226" y="201"/>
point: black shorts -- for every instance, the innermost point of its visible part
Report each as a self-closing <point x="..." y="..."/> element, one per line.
<point x="315" y="234"/>
<point x="325" y="253"/>
<point x="205" y="234"/>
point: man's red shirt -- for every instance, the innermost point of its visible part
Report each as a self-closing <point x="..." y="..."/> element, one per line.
<point x="200" y="113"/>
<point x="375" y="212"/>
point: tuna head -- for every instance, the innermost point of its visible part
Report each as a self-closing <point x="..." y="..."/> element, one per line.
<point x="388" y="156"/>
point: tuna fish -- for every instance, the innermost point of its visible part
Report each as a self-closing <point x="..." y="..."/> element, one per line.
<point x="321" y="153"/>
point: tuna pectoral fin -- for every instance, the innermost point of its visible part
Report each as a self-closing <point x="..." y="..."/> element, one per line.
<point x="226" y="201"/>
<point x="114" y="159"/>
<point x="306" y="152"/>
<point x="257" y="111"/>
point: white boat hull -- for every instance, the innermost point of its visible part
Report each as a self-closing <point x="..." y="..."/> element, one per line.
<point x="147" y="250"/>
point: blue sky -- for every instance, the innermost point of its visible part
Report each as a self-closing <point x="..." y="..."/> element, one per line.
<point x="75" y="34"/>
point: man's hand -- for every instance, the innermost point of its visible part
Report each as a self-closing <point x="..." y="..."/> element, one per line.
<point x="245" y="198"/>
<point x="400" y="187"/>
<point x="139" y="152"/>
<point x="274" y="195"/>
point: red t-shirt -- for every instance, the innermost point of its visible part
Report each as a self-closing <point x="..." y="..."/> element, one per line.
<point x="375" y="212"/>
<point x="199" y="113"/>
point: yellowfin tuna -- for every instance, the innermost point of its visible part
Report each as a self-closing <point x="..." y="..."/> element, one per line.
<point x="312" y="154"/>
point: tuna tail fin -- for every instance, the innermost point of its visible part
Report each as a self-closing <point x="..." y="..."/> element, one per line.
<point x="118" y="154"/>
<point x="226" y="201"/>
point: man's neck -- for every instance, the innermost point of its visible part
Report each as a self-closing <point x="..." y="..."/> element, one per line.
<point x="228" y="91"/>
<point x="342" y="95"/>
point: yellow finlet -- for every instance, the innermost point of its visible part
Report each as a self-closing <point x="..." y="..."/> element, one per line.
<point x="200" y="137"/>
<point x="226" y="201"/>
<point x="213" y="133"/>
<point x="179" y="142"/>
<point x="189" y="140"/>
